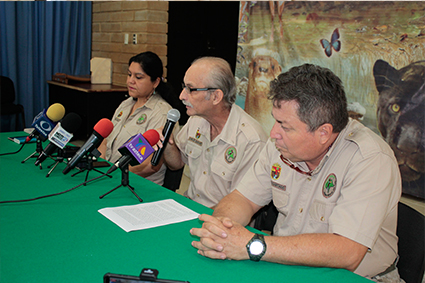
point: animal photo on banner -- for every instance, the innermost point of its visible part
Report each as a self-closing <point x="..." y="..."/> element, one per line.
<point x="376" y="48"/>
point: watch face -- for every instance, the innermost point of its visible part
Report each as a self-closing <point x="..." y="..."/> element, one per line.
<point x="256" y="248"/>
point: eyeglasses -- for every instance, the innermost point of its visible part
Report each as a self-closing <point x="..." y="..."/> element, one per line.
<point x="294" y="167"/>
<point x="189" y="90"/>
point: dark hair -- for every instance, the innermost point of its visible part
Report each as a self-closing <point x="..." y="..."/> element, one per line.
<point x="318" y="92"/>
<point x="152" y="65"/>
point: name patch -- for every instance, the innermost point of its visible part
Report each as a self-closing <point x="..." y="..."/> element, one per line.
<point x="278" y="186"/>
<point x="192" y="139"/>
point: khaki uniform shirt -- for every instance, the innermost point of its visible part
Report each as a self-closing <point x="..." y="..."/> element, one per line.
<point x="151" y="116"/>
<point x="217" y="166"/>
<point x="353" y="192"/>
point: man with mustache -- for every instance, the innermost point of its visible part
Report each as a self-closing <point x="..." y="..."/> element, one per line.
<point x="334" y="182"/>
<point x="220" y="141"/>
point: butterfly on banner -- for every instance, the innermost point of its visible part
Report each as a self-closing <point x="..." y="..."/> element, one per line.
<point x="335" y="43"/>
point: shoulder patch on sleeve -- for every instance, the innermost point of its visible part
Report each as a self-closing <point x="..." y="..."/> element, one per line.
<point x="252" y="131"/>
<point x="368" y="142"/>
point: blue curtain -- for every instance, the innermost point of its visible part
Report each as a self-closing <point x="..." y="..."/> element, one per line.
<point x="39" y="39"/>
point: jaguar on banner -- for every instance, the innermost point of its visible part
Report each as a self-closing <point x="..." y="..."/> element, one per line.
<point x="376" y="48"/>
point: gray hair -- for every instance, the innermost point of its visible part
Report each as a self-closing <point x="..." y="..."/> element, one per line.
<point x="221" y="77"/>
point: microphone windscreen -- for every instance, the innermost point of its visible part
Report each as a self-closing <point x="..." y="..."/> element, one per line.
<point x="151" y="136"/>
<point x="104" y="127"/>
<point x="55" y="112"/>
<point x="71" y="122"/>
<point x="173" y="115"/>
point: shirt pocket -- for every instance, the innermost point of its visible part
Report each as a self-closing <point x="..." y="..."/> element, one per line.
<point x="281" y="200"/>
<point x="320" y="212"/>
<point x="193" y="151"/>
<point x="222" y="170"/>
<point x="133" y="129"/>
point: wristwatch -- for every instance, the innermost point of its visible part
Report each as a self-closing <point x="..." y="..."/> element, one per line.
<point x="256" y="247"/>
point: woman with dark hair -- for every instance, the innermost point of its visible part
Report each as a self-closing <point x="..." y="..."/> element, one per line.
<point x="146" y="108"/>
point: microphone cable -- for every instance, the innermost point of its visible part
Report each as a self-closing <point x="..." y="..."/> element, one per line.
<point x="7" y="153"/>
<point x="52" y="195"/>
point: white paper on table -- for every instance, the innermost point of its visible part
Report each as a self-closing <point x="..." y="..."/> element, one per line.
<point x="148" y="215"/>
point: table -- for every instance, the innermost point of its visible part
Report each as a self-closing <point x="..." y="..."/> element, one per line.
<point x="65" y="239"/>
<point x="91" y="101"/>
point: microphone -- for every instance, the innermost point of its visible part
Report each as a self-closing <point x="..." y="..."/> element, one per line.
<point x="100" y="131"/>
<point x="60" y="135"/>
<point x="172" y="117"/>
<point x="45" y="121"/>
<point x="136" y="149"/>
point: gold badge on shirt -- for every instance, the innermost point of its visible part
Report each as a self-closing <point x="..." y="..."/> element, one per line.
<point x="230" y="154"/>
<point x="198" y="134"/>
<point x="275" y="172"/>
<point x="329" y="186"/>
<point x="118" y="116"/>
<point x="141" y="119"/>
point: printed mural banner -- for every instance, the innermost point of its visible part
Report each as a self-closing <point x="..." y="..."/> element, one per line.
<point x="376" y="48"/>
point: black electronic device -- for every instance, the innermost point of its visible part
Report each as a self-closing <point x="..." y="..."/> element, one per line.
<point x="146" y="276"/>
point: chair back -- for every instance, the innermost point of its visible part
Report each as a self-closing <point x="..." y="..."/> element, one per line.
<point x="411" y="241"/>
<point x="172" y="179"/>
<point x="266" y="217"/>
<point x="7" y="90"/>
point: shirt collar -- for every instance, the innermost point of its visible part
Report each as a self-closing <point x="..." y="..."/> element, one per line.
<point x="230" y="129"/>
<point x="340" y="137"/>
<point x="150" y="104"/>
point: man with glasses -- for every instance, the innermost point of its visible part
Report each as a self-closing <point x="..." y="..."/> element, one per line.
<point x="220" y="141"/>
<point x="335" y="183"/>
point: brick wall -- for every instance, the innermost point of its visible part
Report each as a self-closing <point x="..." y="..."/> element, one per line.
<point x="112" y="20"/>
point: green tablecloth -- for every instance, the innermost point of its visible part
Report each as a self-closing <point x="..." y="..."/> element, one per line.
<point x="65" y="239"/>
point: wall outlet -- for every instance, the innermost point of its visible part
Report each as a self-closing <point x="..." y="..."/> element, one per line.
<point x="134" y="38"/>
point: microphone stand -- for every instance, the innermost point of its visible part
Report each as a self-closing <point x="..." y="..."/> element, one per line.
<point x="124" y="182"/>
<point x="38" y="149"/>
<point x="89" y="166"/>
<point x="59" y="159"/>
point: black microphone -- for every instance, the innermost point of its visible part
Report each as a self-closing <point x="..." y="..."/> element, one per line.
<point x="100" y="131"/>
<point x="136" y="149"/>
<point x="60" y="135"/>
<point x="172" y="117"/>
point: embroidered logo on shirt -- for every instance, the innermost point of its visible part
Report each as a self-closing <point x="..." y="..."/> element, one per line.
<point x="230" y="154"/>
<point x="141" y="119"/>
<point x="329" y="186"/>
<point x="119" y="114"/>
<point x="198" y="134"/>
<point x="275" y="172"/>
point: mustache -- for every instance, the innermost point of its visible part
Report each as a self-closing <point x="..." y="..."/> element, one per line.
<point x="187" y="103"/>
